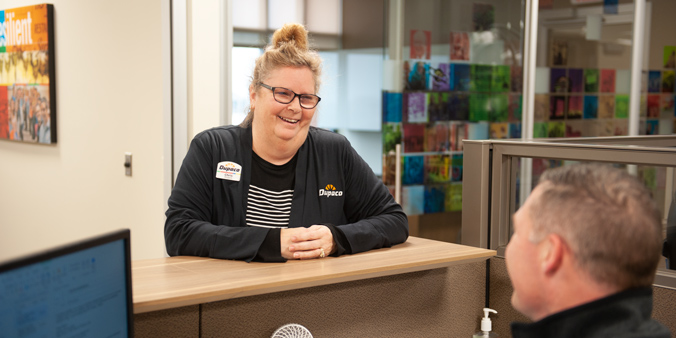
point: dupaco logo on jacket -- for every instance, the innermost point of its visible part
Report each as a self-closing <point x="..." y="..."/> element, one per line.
<point x="329" y="191"/>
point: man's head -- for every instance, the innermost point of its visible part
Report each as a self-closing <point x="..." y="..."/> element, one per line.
<point x="589" y="224"/>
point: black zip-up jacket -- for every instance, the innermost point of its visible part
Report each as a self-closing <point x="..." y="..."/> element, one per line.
<point x="333" y="185"/>
<point x="623" y="315"/>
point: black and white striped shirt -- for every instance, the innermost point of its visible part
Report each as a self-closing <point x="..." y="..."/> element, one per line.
<point x="270" y="193"/>
<point x="267" y="208"/>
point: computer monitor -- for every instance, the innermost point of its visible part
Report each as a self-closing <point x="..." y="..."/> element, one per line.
<point x="82" y="289"/>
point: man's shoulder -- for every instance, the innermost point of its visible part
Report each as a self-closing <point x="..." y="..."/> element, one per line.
<point x="626" y="314"/>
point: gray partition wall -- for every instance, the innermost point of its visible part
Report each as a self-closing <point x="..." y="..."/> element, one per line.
<point x="491" y="194"/>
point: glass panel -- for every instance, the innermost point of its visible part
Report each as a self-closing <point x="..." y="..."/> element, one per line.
<point x="584" y="61"/>
<point x="660" y="117"/>
<point x="328" y="115"/>
<point x="244" y="59"/>
<point x="324" y="16"/>
<point x="249" y="14"/>
<point x="283" y="11"/>
<point x="363" y="72"/>
<point x="658" y="179"/>
<point x="462" y="79"/>
<point x="583" y="75"/>
<point x="351" y="77"/>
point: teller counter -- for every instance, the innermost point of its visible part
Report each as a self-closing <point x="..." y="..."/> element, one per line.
<point x="420" y="288"/>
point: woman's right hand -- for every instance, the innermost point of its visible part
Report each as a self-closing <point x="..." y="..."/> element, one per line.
<point x="287" y="238"/>
<point x="306" y="243"/>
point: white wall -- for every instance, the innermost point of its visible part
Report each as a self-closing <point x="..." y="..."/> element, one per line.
<point x="204" y="66"/>
<point x="109" y="69"/>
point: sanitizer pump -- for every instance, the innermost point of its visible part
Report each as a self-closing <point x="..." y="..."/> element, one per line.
<point x="486" y="326"/>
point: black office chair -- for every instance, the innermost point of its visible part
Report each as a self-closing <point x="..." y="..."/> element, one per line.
<point x="669" y="246"/>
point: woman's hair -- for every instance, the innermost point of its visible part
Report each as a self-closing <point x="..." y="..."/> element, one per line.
<point x="289" y="48"/>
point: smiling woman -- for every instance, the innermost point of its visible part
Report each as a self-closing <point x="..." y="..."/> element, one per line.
<point x="279" y="129"/>
<point x="300" y="192"/>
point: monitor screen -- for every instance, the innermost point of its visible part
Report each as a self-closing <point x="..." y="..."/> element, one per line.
<point x="78" y="290"/>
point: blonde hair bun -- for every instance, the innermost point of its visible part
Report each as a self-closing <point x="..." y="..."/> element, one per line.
<point x="289" y="47"/>
<point x="291" y="33"/>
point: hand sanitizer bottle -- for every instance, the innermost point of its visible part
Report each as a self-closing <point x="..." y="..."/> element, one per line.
<point x="486" y="326"/>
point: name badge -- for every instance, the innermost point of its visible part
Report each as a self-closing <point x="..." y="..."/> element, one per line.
<point x="229" y="171"/>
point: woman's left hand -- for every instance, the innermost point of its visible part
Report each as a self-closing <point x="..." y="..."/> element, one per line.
<point x="315" y="242"/>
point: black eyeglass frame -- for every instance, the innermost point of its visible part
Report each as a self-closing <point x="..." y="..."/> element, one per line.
<point x="293" y="98"/>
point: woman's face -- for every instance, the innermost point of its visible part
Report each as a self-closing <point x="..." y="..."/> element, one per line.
<point x="278" y="121"/>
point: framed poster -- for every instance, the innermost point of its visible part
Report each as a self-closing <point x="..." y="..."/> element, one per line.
<point x="421" y="44"/>
<point x="460" y="46"/>
<point x="27" y="76"/>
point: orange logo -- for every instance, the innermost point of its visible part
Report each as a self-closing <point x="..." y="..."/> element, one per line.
<point x="329" y="191"/>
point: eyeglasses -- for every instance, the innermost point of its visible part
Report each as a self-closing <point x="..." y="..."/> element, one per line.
<point x="285" y="96"/>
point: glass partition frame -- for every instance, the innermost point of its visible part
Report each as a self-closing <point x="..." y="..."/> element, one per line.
<point x="491" y="168"/>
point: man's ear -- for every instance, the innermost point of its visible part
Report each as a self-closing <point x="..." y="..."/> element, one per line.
<point x="551" y="252"/>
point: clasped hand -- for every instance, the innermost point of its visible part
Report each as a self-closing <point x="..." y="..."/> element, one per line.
<point x="306" y="243"/>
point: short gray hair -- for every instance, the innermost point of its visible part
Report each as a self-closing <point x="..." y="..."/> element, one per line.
<point x="607" y="217"/>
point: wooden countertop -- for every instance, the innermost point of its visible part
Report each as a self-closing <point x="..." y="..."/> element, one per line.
<point x="173" y="282"/>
